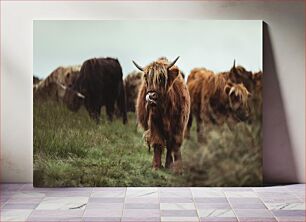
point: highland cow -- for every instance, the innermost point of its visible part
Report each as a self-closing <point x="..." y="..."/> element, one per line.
<point x="163" y="107"/>
<point x="100" y="81"/>
<point x="253" y="83"/>
<point x="215" y="100"/>
<point x="54" y="85"/>
<point x="238" y="74"/>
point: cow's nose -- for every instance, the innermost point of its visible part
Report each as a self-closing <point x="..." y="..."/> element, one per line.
<point x="153" y="95"/>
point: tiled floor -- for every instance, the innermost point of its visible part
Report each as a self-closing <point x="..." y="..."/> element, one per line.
<point x="22" y="202"/>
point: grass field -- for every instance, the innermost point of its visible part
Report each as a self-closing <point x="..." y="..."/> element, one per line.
<point x="72" y="150"/>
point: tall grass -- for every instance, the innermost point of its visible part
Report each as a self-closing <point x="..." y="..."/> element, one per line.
<point x="70" y="149"/>
<point x="230" y="157"/>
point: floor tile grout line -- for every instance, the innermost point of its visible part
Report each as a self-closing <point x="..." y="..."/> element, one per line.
<point x="123" y="207"/>
<point x="230" y="205"/>
<point x="158" y="197"/>
<point x="37" y="204"/>
<point x="5" y="202"/>
<point x="294" y="194"/>
<point x="266" y="205"/>
<point x="10" y="196"/>
<point x="197" y="210"/>
<point x="91" y="191"/>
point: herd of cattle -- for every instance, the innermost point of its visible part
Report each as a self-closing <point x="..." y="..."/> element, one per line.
<point x="164" y="103"/>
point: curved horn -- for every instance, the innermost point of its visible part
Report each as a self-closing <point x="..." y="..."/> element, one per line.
<point x="172" y="63"/>
<point x="137" y="66"/>
<point x="234" y="65"/>
<point x="61" y="85"/>
<point x="80" y="95"/>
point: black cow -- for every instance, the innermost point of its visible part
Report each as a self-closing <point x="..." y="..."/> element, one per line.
<point x="100" y="82"/>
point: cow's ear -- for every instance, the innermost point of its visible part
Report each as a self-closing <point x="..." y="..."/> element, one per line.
<point x="172" y="74"/>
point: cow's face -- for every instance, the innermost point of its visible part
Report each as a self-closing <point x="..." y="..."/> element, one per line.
<point x="158" y="77"/>
<point x="238" y="97"/>
<point x="73" y="99"/>
<point x="71" y="77"/>
<point x="238" y="74"/>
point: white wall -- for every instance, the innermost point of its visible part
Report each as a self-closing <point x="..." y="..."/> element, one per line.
<point x="284" y="63"/>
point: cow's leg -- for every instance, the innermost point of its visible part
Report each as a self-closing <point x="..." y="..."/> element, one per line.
<point x="169" y="157"/>
<point x="95" y="114"/>
<point x="109" y="111"/>
<point x="93" y="111"/>
<point x="157" y="156"/>
<point x="177" y="166"/>
<point x="98" y="114"/>
<point x="177" y="155"/>
<point x="200" y="130"/>
<point x="189" y="124"/>
<point x="121" y="101"/>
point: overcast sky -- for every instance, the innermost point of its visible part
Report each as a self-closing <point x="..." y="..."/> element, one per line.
<point x="213" y="44"/>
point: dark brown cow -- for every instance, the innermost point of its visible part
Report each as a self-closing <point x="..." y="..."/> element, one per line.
<point x="100" y="81"/>
<point x="215" y="100"/>
<point x="132" y="84"/>
<point x="253" y="83"/>
<point x="239" y="74"/>
<point x="163" y="107"/>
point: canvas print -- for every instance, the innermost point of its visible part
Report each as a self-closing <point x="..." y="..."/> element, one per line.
<point x="147" y="103"/>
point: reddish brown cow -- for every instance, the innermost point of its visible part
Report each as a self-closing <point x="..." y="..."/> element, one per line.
<point x="215" y="100"/>
<point x="163" y="106"/>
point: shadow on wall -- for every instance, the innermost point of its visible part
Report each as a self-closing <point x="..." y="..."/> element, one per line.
<point x="278" y="160"/>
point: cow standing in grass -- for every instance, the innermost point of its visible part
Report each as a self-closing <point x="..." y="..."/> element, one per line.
<point x="163" y="106"/>
<point x="100" y="81"/>
<point x="215" y="100"/>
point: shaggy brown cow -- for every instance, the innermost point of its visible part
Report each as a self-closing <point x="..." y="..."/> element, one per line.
<point x="215" y="100"/>
<point x="132" y="84"/>
<point x="239" y="74"/>
<point x="163" y="107"/>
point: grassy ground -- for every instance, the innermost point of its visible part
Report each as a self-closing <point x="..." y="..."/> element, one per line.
<point x="72" y="150"/>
